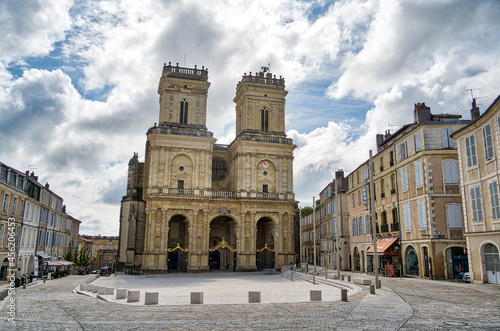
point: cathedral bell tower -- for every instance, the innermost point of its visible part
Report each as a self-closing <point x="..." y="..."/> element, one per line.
<point x="183" y="97"/>
<point x="260" y="104"/>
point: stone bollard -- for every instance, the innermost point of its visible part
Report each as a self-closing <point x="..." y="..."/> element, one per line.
<point x="348" y="278"/>
<point x="343" y="294"/>
<point x="24" y="285"/>
<point x="254" y="297"/>
<point x="151" y="298"/>
<point x="90" y="288"/>
<point x="121" y="293"/>
<point x="291" y="276"/>
<point x="133" y="295"/>
<point x="315" y="295"/>
<point x="314" y="279"/>
<point x="372" y="288"/>
<point x="110" y="290"/>
<point x="101" y="290"/>
<point x="95" y="288"/>
<point x="196" y="298"/>
<point x="379" y="283"/>
<point x="341" y="277"/>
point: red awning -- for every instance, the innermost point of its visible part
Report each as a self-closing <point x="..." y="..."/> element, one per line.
<point x="382" y="245"/>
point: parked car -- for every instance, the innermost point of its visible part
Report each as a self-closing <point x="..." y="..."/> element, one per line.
<point x="466" y="277"/>
<point x="80" y="271"/>
<point x="106" y="271"/>
<point x="95" y="271"/>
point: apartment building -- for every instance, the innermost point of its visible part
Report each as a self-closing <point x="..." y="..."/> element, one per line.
<point x="478" y="149"/>
<point x="331" y="225"/>
<point x="417" y="201"/>
<point x="42" y="228"/>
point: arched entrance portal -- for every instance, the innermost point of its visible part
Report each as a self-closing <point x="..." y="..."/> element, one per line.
<point x="356" y="266"/>
<point x="411" y="262"/>
<point x="265" y="243"/>
<point x="222" y="244"/>
<point x="492" y="264"/>
<point x="177" y="244"/>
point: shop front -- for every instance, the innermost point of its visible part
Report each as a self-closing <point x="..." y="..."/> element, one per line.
<point x="389" y="253"/>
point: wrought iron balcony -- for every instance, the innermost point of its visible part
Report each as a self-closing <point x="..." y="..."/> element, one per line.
<point x="384" y="228"/>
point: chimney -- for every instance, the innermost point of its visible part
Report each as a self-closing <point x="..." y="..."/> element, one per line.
<point x="64" y="209"/>
<point x="27" y="173"/>
<point x="339" y="178"/>
<point x="387" y="134"/>
<point x="474" y="112"/>
<point x="380" y="139"/>
<point x="421" y="113"/>
<point x="47" y="185"/>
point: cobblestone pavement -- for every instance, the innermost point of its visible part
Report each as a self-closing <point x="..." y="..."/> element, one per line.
<point x="407" y="304"/>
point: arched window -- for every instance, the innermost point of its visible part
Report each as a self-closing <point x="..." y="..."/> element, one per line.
<point x="264" y="120"/>
<point x="183" y="112"/>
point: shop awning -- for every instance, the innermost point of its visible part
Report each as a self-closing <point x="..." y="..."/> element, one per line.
<point x="59" y="263"/>
<point x="45" y="256"/>
<point x="382" y="245"/>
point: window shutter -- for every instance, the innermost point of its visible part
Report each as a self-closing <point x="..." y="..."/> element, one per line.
<point x="444" y="136"/>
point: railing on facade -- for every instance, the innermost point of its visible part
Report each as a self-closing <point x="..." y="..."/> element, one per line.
<point x="268" y="79"/>
<point x="186" y="71"/>
<point x="181" y="132"/>
<point x="395" y="227"/>
<point x="267" y="139"/>
<point x="384" y="228"/>
<point x="165" y="191"/>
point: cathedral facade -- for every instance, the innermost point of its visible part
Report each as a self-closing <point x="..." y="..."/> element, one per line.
<point x="194" y="205"/>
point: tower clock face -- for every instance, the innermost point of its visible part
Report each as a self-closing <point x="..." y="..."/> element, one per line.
<point x="220" y="168"/>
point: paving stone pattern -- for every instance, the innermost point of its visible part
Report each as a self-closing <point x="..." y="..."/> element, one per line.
<point x="407" y="304"/>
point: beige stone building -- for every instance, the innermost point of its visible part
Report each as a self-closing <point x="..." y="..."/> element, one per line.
<point x="417" y="201"/>
<point x="331" y="225"/>
<point x="479" y="150"/>
<point x="195" y="205"/>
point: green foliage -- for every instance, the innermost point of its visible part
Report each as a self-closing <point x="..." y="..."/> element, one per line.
<point x="69" y="255"/>
<point x="305" y="210"/>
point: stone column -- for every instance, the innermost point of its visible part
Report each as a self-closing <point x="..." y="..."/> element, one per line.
<point x="242" y="160"/>
<point x="243" y="232"/>
<point x="208" y="173"/>
<point x="163" y="235"/>
<point x="206" y="232"/>
<point x="282" y="232"/>
<point x="280" y="174"/>
<point x="155" y="157"/>
<point x="152" y="229"/>
<point x="147" y="229"/>
<point x="194" y="233"/>
<point x="253" y="173"/>
<point x="196" y="167"/>
<point x="166" y="177"/>
<point x="253" y="232"/>
<point x="290" y="174"/>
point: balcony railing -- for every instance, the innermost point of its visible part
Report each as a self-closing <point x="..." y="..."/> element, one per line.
<point x="395" y="227"/>
<point x="393" y="191"/>
<point x="166" y="191"/>
<point x="382" y="195"/>
<point x="384" y="228"/>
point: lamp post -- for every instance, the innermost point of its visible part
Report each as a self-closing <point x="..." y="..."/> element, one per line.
<point x="314" y="234"/>
<point x="374" y="225"/>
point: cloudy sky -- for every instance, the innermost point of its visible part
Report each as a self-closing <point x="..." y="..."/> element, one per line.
<point x="78" y="79"/>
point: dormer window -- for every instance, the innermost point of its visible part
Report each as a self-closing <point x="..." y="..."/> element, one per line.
<point x="183" y="112"/>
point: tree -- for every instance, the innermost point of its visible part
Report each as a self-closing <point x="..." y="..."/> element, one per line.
<point x="305" y="210"/>
<point x="69" y="255"/>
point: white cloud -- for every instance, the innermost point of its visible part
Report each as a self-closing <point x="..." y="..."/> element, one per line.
<point x="30" y="27"/>
<point x="81" y="123"/>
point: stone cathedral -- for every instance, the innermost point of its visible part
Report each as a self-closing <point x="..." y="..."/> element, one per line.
<point x="194" y="205"/>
